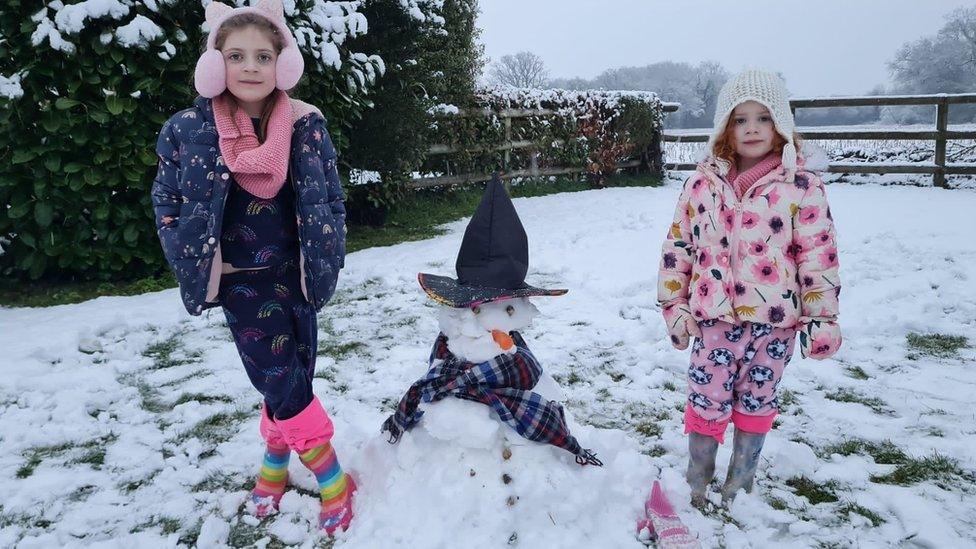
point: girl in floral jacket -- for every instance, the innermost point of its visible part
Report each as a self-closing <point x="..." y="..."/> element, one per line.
<point x="749" y="263"/>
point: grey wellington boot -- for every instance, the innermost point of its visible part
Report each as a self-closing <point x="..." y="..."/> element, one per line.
<point x="746" y="448"/>
<point x="701" y="465"/>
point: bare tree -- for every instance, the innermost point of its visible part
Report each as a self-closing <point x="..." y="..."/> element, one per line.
<point x="710" y="76"/>
<point x="961" y="24"/>
<point x="522" y="70"/>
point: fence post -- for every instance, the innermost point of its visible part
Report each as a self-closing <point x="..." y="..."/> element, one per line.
<point x="508" y="139"/>
<point x="941" y="127"/>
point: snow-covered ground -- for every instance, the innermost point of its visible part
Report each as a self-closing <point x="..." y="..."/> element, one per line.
<point x="126" y="423"/>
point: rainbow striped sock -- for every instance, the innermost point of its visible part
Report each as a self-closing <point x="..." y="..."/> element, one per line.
<point x="335" y="486"/>
<point x="271" y="480"/>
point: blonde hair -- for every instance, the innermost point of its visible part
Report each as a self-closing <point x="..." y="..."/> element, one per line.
<point x="239" y="22"/>
<point x="724" y="146"/>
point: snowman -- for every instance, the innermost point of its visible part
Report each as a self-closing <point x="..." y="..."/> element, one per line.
<point x="480" y="355"/>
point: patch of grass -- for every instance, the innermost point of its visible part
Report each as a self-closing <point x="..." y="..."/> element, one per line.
<point x="648" y="429"/>
<point x="82" y="493"/>
<point x="851" y="507"/>
<point x="18" y="293"/>
<point x="93" y="453"/>
<point x="38" y="454"/>
<point x="326" y="373"/>
<point x="669" y="386"/>
<point x="243" y="534"/>
<point x="617" y="377"/>
<point x="184" y="379"/>
<point x="339" y="351"/>
<point x="201" y="398"/>
<point x="163" y="353"/>
<point x="573" y="378"/>
<point x="942" y="470"/>
<point x="935" y="345"/>
<point x="149" y="398"/>
<point x="814" y="492"/>
<point x="846" y="395"/>
<point x="655" y="451"/>
<point x="884" y="452"/>
<point x="189" y="537"/>
<point x="786" y="399"/>
<point x="217" y="428"/>
<point x="777" y="503"/>
<point x="224" y="481"/>
<point x="856" y="372"/>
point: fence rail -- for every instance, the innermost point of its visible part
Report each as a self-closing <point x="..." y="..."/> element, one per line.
<point x="941" y="134"/>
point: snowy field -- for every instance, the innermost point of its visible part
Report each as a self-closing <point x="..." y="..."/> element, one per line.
<point x="126" y="423"/>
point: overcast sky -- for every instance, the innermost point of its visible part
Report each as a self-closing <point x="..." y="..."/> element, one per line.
<point x="822" y="47"/>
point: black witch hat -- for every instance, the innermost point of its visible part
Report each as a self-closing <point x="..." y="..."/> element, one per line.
<point x="493" y="259"/>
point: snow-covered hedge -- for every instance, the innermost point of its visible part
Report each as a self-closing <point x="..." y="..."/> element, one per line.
<point x="597" y="129"/>
<point x="85" y="86"/>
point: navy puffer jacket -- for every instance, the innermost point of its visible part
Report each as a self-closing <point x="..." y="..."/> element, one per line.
<point x="191" y="187"/>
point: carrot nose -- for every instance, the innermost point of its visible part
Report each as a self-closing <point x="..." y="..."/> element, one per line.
<point x="502" y="339"/>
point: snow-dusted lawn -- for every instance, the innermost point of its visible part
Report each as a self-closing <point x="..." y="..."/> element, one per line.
<point x="126" y="423"/>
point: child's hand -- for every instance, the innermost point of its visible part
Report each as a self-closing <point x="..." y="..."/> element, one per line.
<point x="168" y="220"/>
<point x="502" y="339"/>
<point x="820" y="339"/>
<point x="681" y="325"/>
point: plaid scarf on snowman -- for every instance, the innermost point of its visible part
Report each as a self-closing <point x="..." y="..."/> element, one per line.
<point x="504" y="383"/>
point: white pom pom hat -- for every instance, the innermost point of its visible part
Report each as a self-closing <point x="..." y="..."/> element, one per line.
<point x="210" y="76"/>
<point x="767" y="89"/>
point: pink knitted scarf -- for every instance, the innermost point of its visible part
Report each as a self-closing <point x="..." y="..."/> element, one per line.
<point x="742" y="181"/>
<point x="261" y="168"/>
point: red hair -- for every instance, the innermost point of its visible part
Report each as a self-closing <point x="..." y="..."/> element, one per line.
<point x="724" y="147"/>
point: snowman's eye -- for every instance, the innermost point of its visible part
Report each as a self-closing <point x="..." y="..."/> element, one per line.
<point x="475" y="309"/>
<point x="510" y="310"/>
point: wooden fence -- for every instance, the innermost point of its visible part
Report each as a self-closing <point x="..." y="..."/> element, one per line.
<point x="941" y="134"/>
<point x="507" y="115"/>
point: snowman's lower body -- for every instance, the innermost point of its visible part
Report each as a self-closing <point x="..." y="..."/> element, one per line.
<point x="275" y="330"/>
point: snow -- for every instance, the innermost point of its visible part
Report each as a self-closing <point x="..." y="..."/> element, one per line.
<point x="139" y="32"/>
<point x="10" y="87"/>
<point x="85" y="376"/>
<point x="73" y="17"/>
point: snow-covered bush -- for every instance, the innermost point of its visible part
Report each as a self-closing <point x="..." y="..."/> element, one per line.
<point x="597" y="129"/>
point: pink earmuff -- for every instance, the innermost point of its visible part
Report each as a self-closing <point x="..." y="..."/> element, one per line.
<point x="210" y="75"/>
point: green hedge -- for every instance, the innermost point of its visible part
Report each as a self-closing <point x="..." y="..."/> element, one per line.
<point x="432" y="57"/>
<point x="77" y="140"/>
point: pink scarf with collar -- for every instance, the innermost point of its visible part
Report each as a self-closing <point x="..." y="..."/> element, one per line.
<point x="742" y="181"/>
<point x="261" y="168"/>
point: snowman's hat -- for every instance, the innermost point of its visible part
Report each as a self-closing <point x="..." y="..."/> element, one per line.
<point x="493" y="259"/>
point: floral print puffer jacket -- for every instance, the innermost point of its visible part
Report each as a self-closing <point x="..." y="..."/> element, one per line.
<point x="768" y="258"/>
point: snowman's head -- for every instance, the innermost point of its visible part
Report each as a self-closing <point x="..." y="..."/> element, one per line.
<point x="468" y="329"/>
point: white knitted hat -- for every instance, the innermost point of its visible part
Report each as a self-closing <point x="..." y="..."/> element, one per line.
<point x="767" y="89"/>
